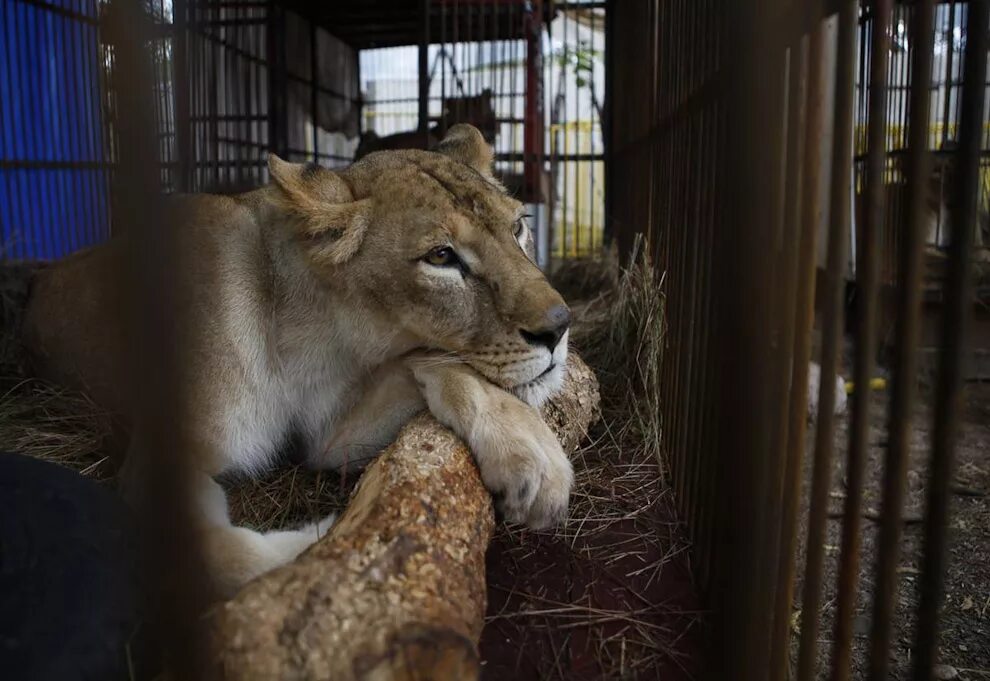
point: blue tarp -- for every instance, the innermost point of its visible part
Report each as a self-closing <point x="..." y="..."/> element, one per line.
<point x="53" y="178"/>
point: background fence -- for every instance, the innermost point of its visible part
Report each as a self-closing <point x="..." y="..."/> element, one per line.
<point x="515" y="66"/>
<point x="951" y="19"/>
<point x="234" y="80"/>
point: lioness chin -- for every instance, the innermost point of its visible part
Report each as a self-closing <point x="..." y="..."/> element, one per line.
<point x="329" y="307"/>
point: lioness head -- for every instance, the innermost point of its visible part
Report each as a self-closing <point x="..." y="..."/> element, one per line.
<point x="431" y="242"/>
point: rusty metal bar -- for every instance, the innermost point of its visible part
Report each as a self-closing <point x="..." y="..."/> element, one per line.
<point x="709" y="499"/>
<point x="780" y="250"/>
<point x="868" y="273"/>
<point x="810" y="205"/>
<point x="905" y="352"/>
<point x="742" y="588"/>
<point x="424" y="68"/>
<point x="832" y="284"/>
<point x="957" y="310"/>
<point x="608" y="228"/>
<point x="179" y="593"/>
<point x="791" y="234"/>
<point x="314" y="65"/>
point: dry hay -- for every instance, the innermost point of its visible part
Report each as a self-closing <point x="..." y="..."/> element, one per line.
<point x="56" y="425"/>
<point x="36" y="418"/>
<point x="592" y="599"/>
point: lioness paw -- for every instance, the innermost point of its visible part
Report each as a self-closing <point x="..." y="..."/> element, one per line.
<point x="526" y="470"/>
<point x="520" y="460"/>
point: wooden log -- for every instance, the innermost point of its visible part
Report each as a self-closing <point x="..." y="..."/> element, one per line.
<point x="396" y="590"/>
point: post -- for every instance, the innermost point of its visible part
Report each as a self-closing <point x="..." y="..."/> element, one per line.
<point x="424" y="80"/>
<point x="183" y="137"/>
<point x="533" y="119"/>
<point x="314" y="83"/>
<point x="278" y="132"/>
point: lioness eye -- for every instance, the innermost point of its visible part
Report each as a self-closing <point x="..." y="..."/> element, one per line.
<point x="442" y="256"/>
<point x="520" y="225"/>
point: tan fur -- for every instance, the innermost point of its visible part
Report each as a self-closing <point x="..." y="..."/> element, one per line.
<point x="308" y="307"/>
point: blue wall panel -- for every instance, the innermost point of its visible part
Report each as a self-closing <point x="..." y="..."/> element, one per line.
<point x="53" y="170"/>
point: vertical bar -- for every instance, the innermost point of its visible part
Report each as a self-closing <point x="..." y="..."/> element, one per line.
<point x="214" y="86"/>
<point x="177" y="585"/>
<point x="28" y="85"/>
<point x="743" y="588"/>
<point x="832" y="284"/>
<point x="905" y="352"/>
<point x="424" y="67"/>
<point x="277" y="82"/>
<point x="575" y="93"/>
<point x="228" y="34"/>
<point x="88" y="143"/>
<point x="101" y="140"/>
<point x="253" y="109"/>
<point x="957" y="310"/>
<point x="202" y="157"/>
<point x="46" y="178"/>
<point x="706" y="503"/>
<point x="83" y="131"/>
<point x="810" y="211"/>
<point x="245" y="151"/>
<point x="867" y="271"/>
<point x="699" y="367"/>
<point x="10" y="174"/>
<point x="949" y="54"/>
<point x="797" y="105"/>
<point x="442" y="56"/>
<point x="592" y="147"/>
<point x="314" y="65"/>
<point x="533" y="127"/>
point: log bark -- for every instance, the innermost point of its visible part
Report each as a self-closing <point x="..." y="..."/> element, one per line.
<point x="396" y="590"/>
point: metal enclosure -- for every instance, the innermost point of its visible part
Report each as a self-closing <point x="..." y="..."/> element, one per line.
<point x="723" y="164"/>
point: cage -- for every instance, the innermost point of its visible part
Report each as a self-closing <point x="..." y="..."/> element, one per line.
<point x="727" y="193"/>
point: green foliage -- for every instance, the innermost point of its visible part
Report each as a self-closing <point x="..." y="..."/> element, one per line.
<point x="580" y="59"/>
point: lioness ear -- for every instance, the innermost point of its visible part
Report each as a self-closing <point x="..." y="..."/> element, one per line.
<point x="329" y="218"/>
<point x="464" y="143"/>
<point x="306" y="182"/>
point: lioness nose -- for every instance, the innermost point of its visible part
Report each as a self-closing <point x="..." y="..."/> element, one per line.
<point x="556" y="322"/>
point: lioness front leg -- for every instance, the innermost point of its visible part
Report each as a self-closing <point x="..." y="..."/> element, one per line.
<point x="520" y="459"/>
<point x="389" y="398"/>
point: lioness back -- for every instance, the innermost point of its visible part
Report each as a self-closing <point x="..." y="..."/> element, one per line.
<point x="75" y="327"/>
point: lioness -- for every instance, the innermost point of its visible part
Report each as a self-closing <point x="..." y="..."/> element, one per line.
<point x="328" y="307"/>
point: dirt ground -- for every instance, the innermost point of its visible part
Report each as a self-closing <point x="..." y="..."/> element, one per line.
<point x="965" y="623"/>
<point x="604" y="598"/>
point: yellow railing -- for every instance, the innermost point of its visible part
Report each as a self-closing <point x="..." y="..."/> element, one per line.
<point x="897" y="139"/>
<point x="897" y="135"/>
<point x="579" y="212"/>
